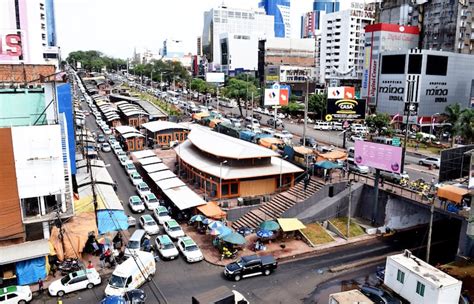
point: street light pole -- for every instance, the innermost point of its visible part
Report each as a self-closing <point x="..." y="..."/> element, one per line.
<point x="220" y="178"/>
<point x="306" y="111"/>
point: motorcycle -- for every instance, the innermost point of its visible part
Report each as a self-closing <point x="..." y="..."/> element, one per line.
<point x="227" y="254"/>
<point x="68" y="265"/>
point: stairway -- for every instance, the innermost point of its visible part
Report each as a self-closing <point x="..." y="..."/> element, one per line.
<point x="278" y="204"/>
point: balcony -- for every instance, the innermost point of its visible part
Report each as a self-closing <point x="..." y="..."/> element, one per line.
<point x="42" y="209"/>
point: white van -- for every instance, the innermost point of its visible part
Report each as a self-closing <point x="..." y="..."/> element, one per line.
<point x="336" y="126"/>
<point x="322" y="125"/>
<point x="131" y="274"/>
<point x="359" y="129"/>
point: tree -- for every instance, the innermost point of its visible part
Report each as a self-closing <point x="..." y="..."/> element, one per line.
<point x="95" y="61"/>
<point x="240" y="89"/>
<point x="317" y="103"/>
<point x="465" y="126"/>
<point x="379" y="123"/>
<point x="452" y="114"/>
<point x="292" y="108"/>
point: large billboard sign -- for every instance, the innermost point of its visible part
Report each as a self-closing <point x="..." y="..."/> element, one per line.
<point x="215" y="77"/>
<point x="10" y="46"/>
<point x="341" y="92"/>
<point x="345" y="109"/>
<point x="294" y="74"/>
<point x="455" y="163"/>
<point x="276" y="96"/>
<point x="378" y="156"/>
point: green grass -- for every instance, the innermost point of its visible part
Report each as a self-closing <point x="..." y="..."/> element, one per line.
<point x="169" y="109"/>
<point x="341" y="224"/>
<point x="316" y="234"/>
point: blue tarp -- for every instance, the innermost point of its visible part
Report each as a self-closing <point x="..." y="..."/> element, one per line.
<point x="111" y="220"/>
<point x="30" y="271"/>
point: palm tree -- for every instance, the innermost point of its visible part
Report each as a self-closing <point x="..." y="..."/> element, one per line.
<point x="465" y="126"/>
<point x="452" y="114"/>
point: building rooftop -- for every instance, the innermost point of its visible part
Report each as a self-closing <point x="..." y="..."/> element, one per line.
<point x="350" y="297"/>
<point x="424" y="270"/>
<point x="160" y="125"/>
<point x="211" y="166"/>
<point x="225" y="146"/>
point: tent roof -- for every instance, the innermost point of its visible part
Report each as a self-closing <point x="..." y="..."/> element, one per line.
<point x="290" y="224"/>
<point x="143" y="154"/>
<point x="184" y="198"/>
<point x="160" y="125"/>
<point x="160" y="175"/>
<point x="170" y="183"/>
<point x="212" y="210"/>
<point x="333" y="155"/>
<point x="150" y="161"/>
<point x="155" y="168"/>
<point x="452" y="193"/>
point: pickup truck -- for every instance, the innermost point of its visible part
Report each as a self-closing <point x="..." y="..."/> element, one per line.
<point x="249" y="266"/>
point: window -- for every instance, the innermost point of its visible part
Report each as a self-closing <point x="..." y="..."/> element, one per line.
<point x="234" y="188"/>
<point x="393" y="64"/>
<point x="437" y="65"/>
<point x="12" y="296"/>
<point x="414" y="64"/>
<point x="420" y="288"/>
<point x="400" y="276"/>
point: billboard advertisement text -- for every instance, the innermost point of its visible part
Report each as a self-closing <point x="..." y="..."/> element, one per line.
<point x="346" y="108"/>
<point x="10" y="46"/>
<point x="378" y="156"/>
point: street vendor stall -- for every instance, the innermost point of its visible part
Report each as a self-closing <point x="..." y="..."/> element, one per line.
<point x="452" y="193"/>
<point x="212" y="210"/>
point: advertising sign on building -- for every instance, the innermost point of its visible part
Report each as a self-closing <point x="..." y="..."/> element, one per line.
<point x="341" y="92"/>
<point x="276" y="96"/>
<point x="345" y="109"/>
<point x="294" y="74"/>
<point x="11" y="48"/>
<point x="215" y="77"/>
<point x="378" y="156"/>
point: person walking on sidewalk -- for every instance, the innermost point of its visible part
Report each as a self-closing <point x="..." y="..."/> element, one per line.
<point x="90" y="265"/>
<point x="40" y="285"/>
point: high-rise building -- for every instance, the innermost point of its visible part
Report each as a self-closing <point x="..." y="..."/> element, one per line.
<point x="172" y="48"/>
<point x="32" y="23"/>
<point x="280" y="9"/>
<point x="311" y="21"/>
<point x="342" y="44"/>
<point x="233" y="21"/>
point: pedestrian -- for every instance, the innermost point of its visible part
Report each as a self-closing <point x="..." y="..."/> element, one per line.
<point x="107" y="255"/>
<point x="118" y="241"/>
<point x="40" y="285"/>
<point x="417" y="146"/>
<point x="102" y="260"/>
<point x="433" y="182"/>
<point x="306" y="181"/>
<point x="90" y="265"/>
<point x="146" y="244"/>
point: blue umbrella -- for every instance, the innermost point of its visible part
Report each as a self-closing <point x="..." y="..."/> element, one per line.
<point x="206" y="221"/>
<point x="197" y="218"/>
<point x="269" y="225"/>
<point x="262" y="233"/>
<point x="234" y="238"/>
<point x="215" y="224"/>
<point x="223" y="231"/>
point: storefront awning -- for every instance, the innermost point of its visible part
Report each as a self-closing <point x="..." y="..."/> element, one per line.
<point x="212" y="210"/>
<point x="184" y="198"/>
<point x="290" y="224"/>
<point x="24" y="251"/>
<point x="452" y="193"/>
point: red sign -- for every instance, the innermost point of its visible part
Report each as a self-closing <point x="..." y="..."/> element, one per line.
<point x="10" y="45"/>
<point x="284" y="97"/>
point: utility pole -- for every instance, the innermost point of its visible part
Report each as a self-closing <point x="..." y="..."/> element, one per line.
<point x="94" y="194"/>
<point x="305" y="111"/>
<point x="349" y="209"/>
<point x="430" y="231"/>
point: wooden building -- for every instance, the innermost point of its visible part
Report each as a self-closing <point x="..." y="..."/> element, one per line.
<point x="227" y="167"/>
<point x="163" y="132"/>
<point x="131" y="115"/>
<point x="132" y="139"/>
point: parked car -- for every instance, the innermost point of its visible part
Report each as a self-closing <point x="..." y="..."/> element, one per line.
<point x="173" y="229"/>
<point x="120" y="153"/>
<point x="123" y="160"/>
<point x="149" y="225"/>
<point x="249" y="266"/>
<point x="189" y="249"/>
<point x="430" y="161"/>
<point x="322" y="126"/>
<point x="74" y="281"/>
<point x="135" y="177"/>
<point x="151" y="201"/>
<point x="15" y="294"/>
<point x="356" y="137"/>
<point x="135" y="296"/>
<point x="271" y="122"/>
<point x="394" y="177"/>
<point x="161" y="214"/>
<point x="130" y="167"/>
<point x="310" y="142"/>
<point x="106" y="147"/>
<point x="131" y="221"/>
<point x="165" y="247"/>
<point x="136" y="204"/>
<point x="101" y="138"/>
<point x="379" y="295"/>
<point x="143" y="189"/>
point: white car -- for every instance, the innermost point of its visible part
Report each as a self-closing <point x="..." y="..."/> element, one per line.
<point x="151" y="201"/>
<point x="106" y="147"/>
<point x="135" y="177"/>
<point x="165" y="247"/>
<point x="430" y="161"/>
<point x="129" y="167"/>
<point x="143" y="189"/>
<point x="149" y="225"/>
<point x="120" y="153"/>
<point x="161" y="214"/>
<point x="356" y="137"/>
<point x="173" y="229"/>
<point x="287" y="134"/>
<point x="123" y="160"/>
<point x="190" y="249"/>
<point x="74" y="281"/>
<point x="116" y="146"/>
<point x="16" y="294"/>
<point x="136" y="204"/>
<point x="107" y="131"/>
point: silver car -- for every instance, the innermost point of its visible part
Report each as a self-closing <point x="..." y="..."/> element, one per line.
<point x="430" y="161"/>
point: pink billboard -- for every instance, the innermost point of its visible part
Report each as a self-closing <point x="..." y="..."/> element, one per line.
<point x="379" y="156"/>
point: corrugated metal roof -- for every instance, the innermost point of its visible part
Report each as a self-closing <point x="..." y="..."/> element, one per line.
<point x="170" y="183"/>
<point x="184" y="198"/>
<point x="155" y="168"/>
<point x="149" y="161"/>
<point x="226" y="146"/>
<point x="143" y="154"/>
<point x="160" y="125"/>
<point x="161" y="175"/>
<point x="212" y="166"/>
<point x="23" y="251"/>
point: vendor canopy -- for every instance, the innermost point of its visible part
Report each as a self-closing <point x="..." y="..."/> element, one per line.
<point x="290" y="224"/>
<point x="452" y="193"/>
<point x="183" y="197"/>
<point x="212" y="210"/>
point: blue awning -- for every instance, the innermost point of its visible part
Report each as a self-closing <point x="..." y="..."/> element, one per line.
<point x="111" y="220"/>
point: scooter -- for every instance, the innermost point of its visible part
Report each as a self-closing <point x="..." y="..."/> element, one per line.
<point x="69" y="265"/>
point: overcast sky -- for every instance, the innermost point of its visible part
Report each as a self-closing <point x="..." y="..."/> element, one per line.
<point x="115" y="27"/>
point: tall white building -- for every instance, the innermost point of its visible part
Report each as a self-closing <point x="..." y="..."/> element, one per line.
<point x="172" y="48"/>
<point x="238" y="52"/>
<point x="240" y="21"/>
<point x="34" y="21"/>
<point x="342" y="43"/>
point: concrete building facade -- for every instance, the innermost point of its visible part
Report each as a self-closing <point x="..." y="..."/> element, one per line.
<point x="280" y="9"/>
<point x="342" y="44"/>
<point x="238" y="53"/>
<point x="233" y="21"/>
<point x="311" y="21"/>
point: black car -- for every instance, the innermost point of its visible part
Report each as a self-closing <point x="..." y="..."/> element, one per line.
<point x="135" y="296"/>
<point x="249" y="266"/>
<point x="379" y="296"/>
<point x="310" y="142"/>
